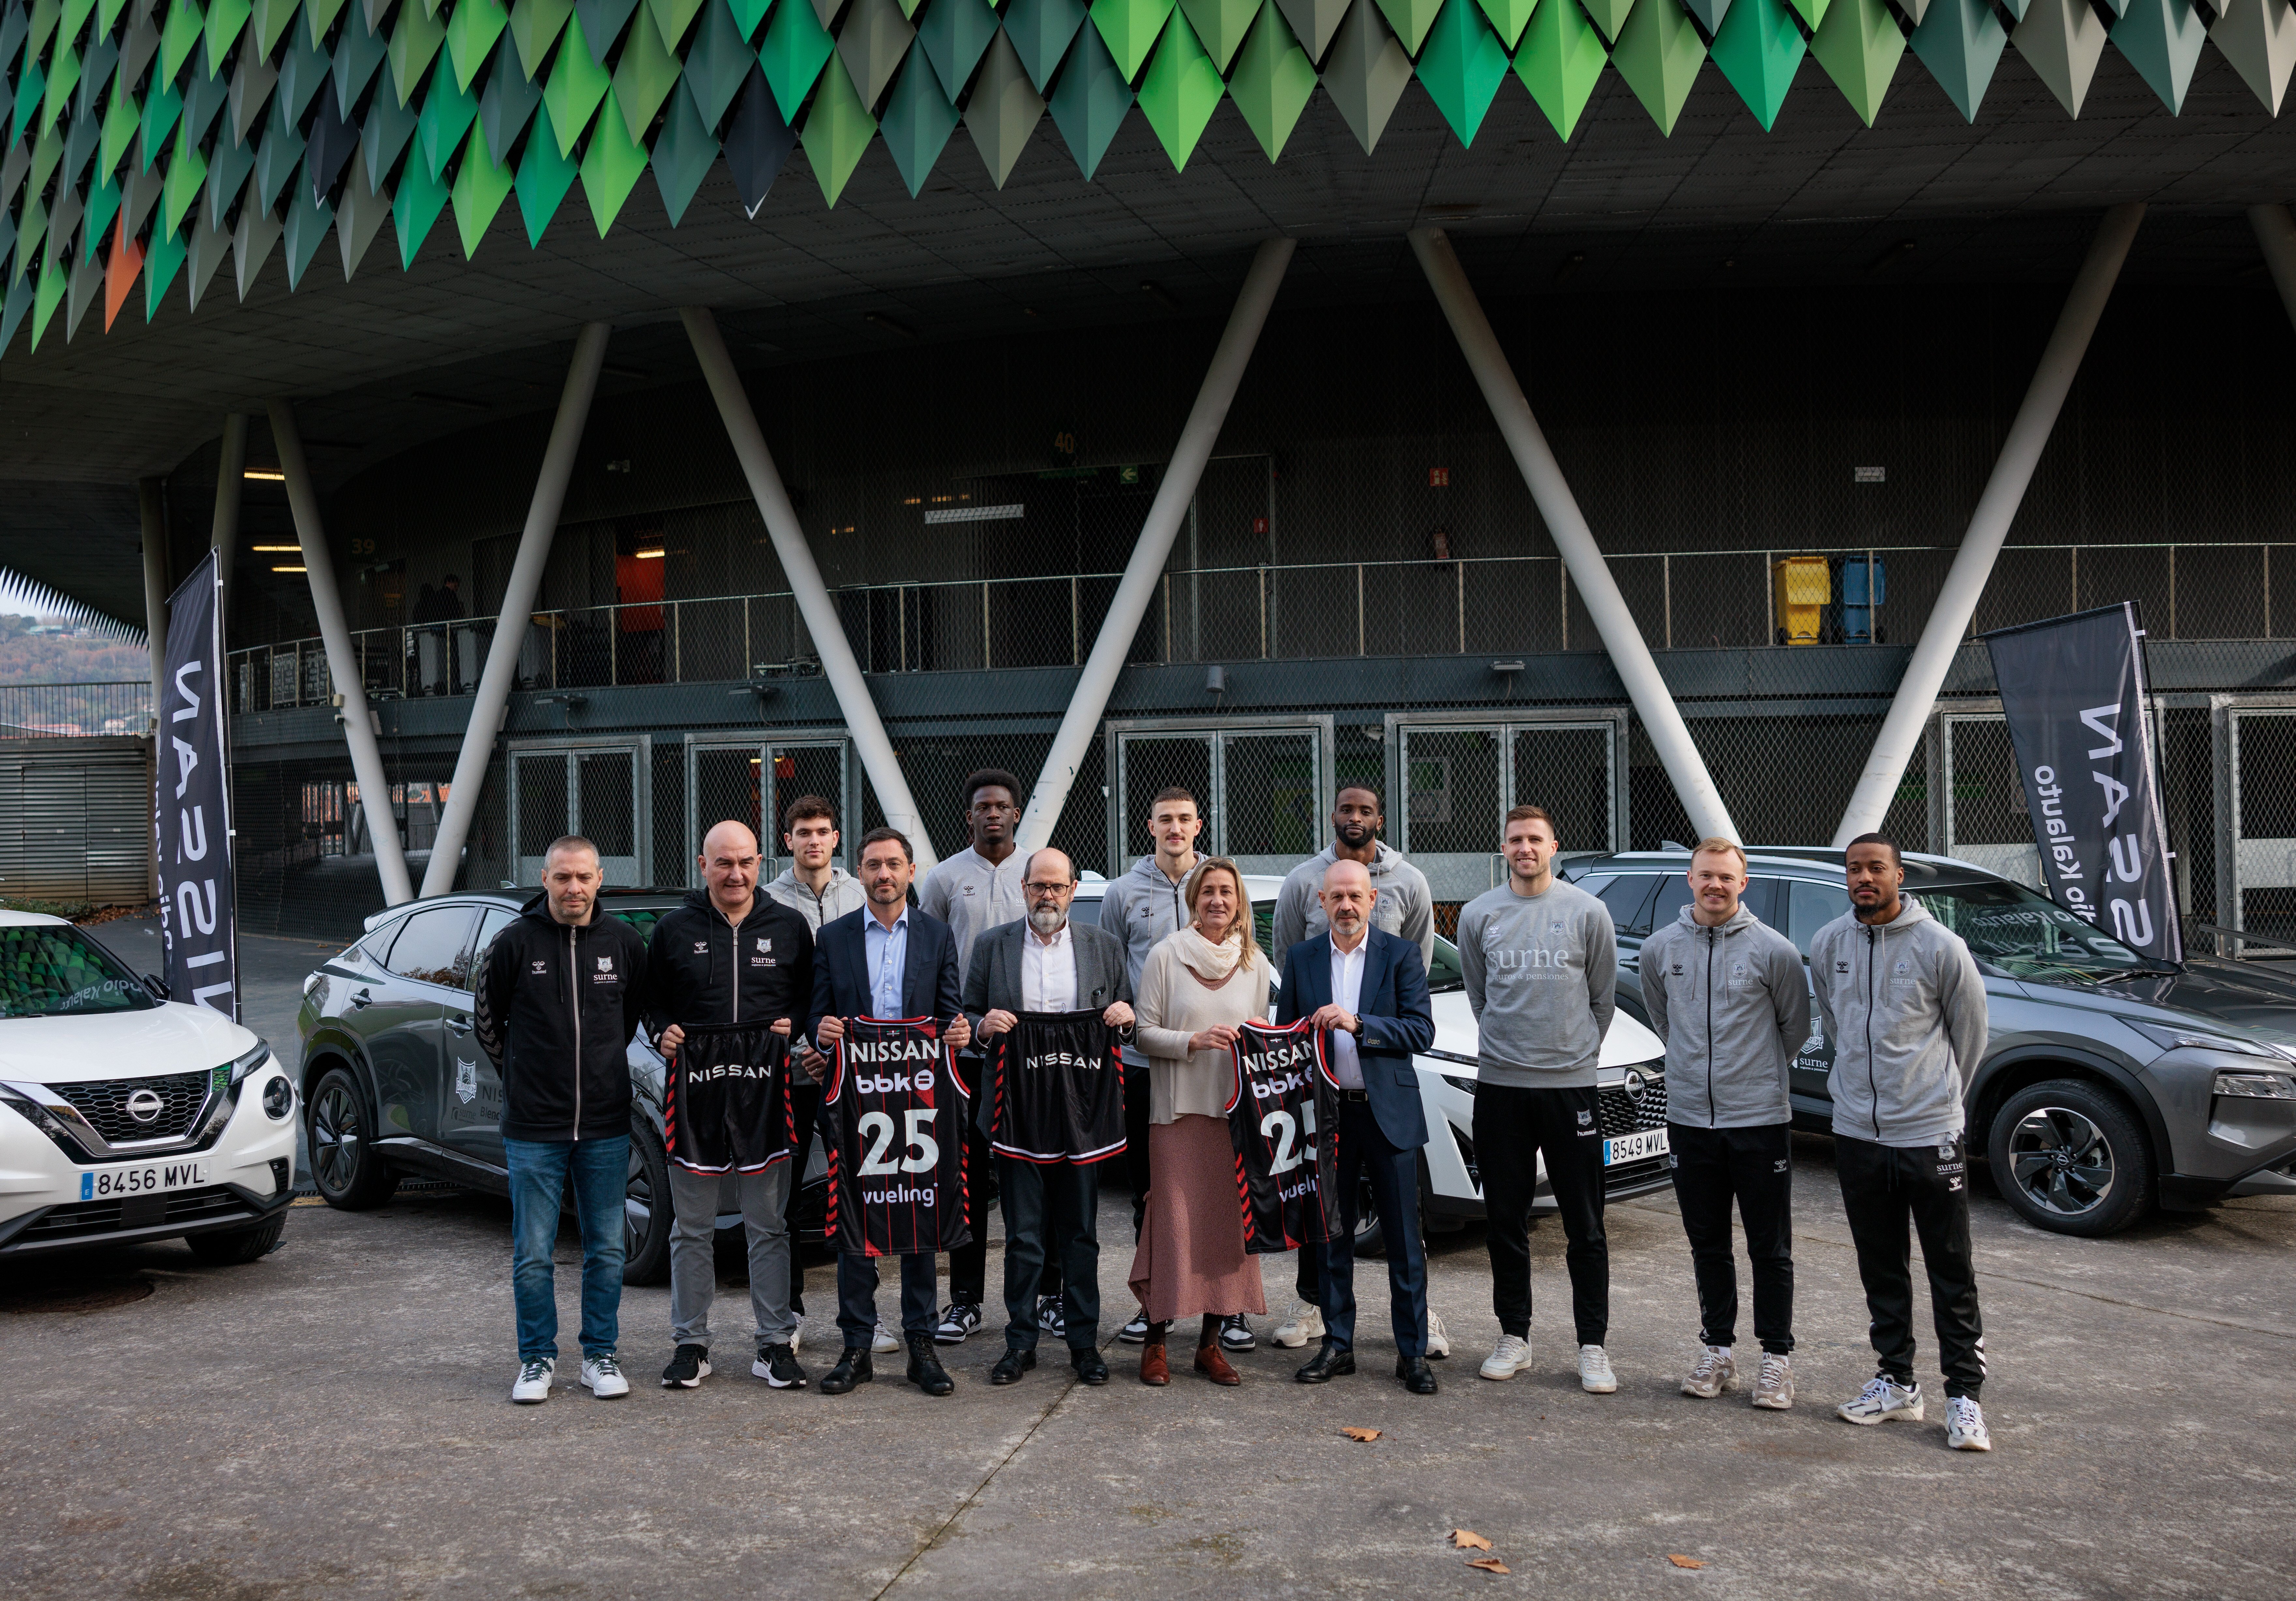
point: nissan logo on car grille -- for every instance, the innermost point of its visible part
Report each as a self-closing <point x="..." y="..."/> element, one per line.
<point x="1636" y="1085"/>
<point x="145" y="1105"/>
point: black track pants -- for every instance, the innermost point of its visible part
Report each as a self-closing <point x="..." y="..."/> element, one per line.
<point x="1512" y="1128"/>
<point x="1712" y="1167"/>
<point x="1884" y="1189"/>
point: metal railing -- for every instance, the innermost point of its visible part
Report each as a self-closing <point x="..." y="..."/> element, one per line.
<point x="1498" y="604"/>
<point x="48" y="710"/>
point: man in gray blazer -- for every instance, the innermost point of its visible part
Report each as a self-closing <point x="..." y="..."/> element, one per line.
<point x="1046" y="964"/>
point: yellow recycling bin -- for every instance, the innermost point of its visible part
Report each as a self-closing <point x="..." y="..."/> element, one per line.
<point x="1799" y="588"/>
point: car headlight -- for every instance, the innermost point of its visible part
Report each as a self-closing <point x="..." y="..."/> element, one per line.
<point x="243" y="1066"/>
<point x="278" y="1098"/>
<point x="2254" y="1087"/>
<point x="2201" y="1040"/>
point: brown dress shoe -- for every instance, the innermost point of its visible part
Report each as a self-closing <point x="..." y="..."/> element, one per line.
<point x="1153" y="1368"/>
<point x="1215" y="1366"/>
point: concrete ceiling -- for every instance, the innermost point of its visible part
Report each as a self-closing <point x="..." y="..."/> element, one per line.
<point x="392" y="357"/>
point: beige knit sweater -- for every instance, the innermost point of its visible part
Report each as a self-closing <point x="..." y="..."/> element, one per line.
<point x="1173" y="1004"/>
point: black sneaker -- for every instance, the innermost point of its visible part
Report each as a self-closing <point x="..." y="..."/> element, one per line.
<point x="957" y="1324"/>
<point x="687" y="1368"/>
<point x="1135" y="1333"/>
<point x="1235" y="1334"/>
<point x="778" y="1365"/>
<point x="1049" y="1319"/>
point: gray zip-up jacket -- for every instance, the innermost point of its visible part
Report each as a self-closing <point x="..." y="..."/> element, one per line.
<point x="1141" y="906"/>
<point x="1404" y="907"/>
<point x="843" y="895"/>
<point x="1906" y="1007"/>
<point x="1733" y="1005"/>
<point x="1542" y="974"/>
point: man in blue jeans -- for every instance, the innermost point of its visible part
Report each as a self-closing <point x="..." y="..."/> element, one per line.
<point x="558" y="995"/>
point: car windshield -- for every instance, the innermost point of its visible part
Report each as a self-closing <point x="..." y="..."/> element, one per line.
<point x="53" y="969"/>
<point x="2012" y="929"/>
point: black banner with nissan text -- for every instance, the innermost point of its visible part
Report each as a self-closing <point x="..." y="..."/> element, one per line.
<point x="2073" y="691"/>
<point x="192" y="802"/>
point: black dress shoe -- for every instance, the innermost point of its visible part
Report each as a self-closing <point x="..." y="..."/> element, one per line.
<point x="1011" y="1365"/>
<point x="1090" y="1365"/>
<point x="1417" y="1376"/>
<point x="1327" y="1364"/>
<point x="852" y="1368"/>
<point x="925" y="1371"/>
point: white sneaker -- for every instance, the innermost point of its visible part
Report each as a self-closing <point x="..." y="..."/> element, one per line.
<point x="796" y="1335"/>
<point x="1507" y="1358"/>
<point x="1882" y="1400"/>
<point x="884" y="1344"/>
<point x="1303" y="1323"/>
<point x="534" y="1382"/>
<point x="1964" y="1425"/>
<point x="602" y="1376"/>
<point x="1594" y="1375"/>
<point x="1438" y="1338"/>
<point x="1717" y="1371"/>
<point x="1774" y="1389"/>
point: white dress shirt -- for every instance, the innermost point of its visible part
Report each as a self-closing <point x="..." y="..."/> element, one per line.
<point x="1049" y="980"/>
<point x="1346" y="993"/>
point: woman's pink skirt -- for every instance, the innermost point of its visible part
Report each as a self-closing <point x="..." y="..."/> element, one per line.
<point x="1191" y="1261"/>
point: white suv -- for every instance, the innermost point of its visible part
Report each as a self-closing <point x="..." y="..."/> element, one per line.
<point x="127" y="1117"/>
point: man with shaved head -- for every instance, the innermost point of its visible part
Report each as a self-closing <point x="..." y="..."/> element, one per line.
<point x="729" y="956"/>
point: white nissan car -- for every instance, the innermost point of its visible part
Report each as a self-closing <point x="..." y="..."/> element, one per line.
<point x="1631" y="1076"/>
<point x="127" y="1117"/>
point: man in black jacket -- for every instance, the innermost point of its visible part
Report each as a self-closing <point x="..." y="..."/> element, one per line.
<point x="728" y="956"/>
<point x="557" y="1006"/>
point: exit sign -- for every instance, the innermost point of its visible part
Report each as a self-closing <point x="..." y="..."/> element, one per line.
<point x="1439" y="478"/>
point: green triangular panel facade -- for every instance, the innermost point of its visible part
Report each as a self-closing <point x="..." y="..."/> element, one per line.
<point x="544" y="174"/>
<point x="414" y="39"/>
<point x="1411" y="20"/>
<point x="1610" y="16"/>
<point x="795" y="47"/>
<point x="612" y="165"/>
<point x="1461" y="65"/>
<point x="837" y="130"/>
<point x="1182" y="90"/>
<point x="480" y="187"/>
<point x="509" y="101"/>
<point x="2062" y="41"/>
<point x="161" y="262"/>
<point x="1813" y="12"/>
<point x="535" y="26"/>
<point x="1711" y="14"/>
<point x="1366" y="73"/>
<point x="578" y="86"/>
<point x="873" y="44"/>
<point x="470" y="35"/>
<point x="1130" y="29"/>
<point x="1220" y="25"/>
<point x="414" y="206"/>
<point x="309" y="221"/>
<point x="1272" y="80"/>
<point x="2259" y="38"/>
<point x="1859" y="47"/>
<point x="1560" y="58"/>
<point x="1314" y="22"/>
<point x="185" y="22"/>
<point x="917" y="122"/>
<point x="1090" y="102"/>
<point x="645" y="75"/>
<point x="718" y="61"/>
<point x="359" y="215"/>
<point x="683" y="154"/>
<point x="954" y="35"/>
<point x="673" y="17"/>
<point x="224" y="19"/>
<point x="1510" y="17"/>
<point x="749" y="13"/>
<point x="187" y="173"/>
<point x="1758" y="49"/>
<point x="448" y="109"/>
<point x="1004" y="107"/>
<point x="50" y="295"/>
<point x="1960" y="42"/>
<point x="1041" y="31"/>
<point x="2162" y="40"/>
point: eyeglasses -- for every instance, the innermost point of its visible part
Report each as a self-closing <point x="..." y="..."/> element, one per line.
<point x="1038" y="889"/>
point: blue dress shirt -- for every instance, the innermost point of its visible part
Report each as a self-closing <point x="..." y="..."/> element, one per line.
<point x="887" y="952"/>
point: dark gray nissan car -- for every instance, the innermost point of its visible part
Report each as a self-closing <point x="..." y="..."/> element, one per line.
<point x="394" y="1083"/>
<point x="2111" y="1083"/>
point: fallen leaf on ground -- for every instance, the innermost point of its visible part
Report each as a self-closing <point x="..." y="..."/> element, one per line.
<point x="1491" y="1564"/>
<point x="1467" y="1539"/>
<point x="1684" y="1561"/>
<point x="1362" y="1434"/>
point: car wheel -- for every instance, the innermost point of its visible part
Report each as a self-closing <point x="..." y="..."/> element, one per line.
<point x="2070" y="1156"/>
<point x="349" y="1171"/>
<point x="230" y="1247"/>
<point x="647" y="1211"/>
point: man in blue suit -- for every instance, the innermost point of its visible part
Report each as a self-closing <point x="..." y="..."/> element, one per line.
<point x="888" y="959"/>
<point x="1367" y="989"/>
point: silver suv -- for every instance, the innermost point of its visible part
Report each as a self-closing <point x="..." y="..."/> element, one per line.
<point x="2111" y="1083"/>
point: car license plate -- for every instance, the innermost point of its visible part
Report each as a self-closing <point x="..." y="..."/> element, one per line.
<point x="1634" y="1147"/>
<point x="109" y="1184"/>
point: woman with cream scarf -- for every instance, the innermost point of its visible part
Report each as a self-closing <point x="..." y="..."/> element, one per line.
<point x="1196" y="990"/>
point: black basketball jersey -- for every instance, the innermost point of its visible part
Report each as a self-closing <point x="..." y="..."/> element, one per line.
<point x="892" y="1116"/>
<point x="1283" y="1120"/>
<point x="725" y="1103"/>
<point x="1056" y="1089"/>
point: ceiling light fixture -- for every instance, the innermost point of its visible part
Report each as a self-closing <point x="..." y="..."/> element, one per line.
<point x="291" y="569"/>
<point x="654" y="554"/>
<point x="276" y="550"/>
<point x="269" y="475"/>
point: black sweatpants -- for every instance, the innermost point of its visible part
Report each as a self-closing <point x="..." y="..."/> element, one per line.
<point x="805" y="1106"/>
<point x="1755" y="1167"/>
<point x="1514" y="1128"/>
<point x="1884" y="1189"/>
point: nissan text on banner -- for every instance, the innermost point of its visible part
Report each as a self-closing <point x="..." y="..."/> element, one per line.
<point x="191" y="803"/>
<point x="2073" y="691"/>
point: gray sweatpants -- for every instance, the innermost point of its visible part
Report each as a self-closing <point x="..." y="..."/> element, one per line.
<point x="693" y="1257"/>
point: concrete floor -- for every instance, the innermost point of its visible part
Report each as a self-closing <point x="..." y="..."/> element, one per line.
<point x="333" y="1419"/>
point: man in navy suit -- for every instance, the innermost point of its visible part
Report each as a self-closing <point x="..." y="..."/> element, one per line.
<point x="888" y="959"/>
<point x="1367" y="989"/>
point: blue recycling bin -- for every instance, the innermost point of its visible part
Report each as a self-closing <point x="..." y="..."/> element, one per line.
<point x="1860" y="615"/>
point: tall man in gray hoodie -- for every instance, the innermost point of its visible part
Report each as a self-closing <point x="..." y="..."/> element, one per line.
<point x="1726" y="991"/>
<point x="1541" y="963"/>
<point x="1903" y="1000"/>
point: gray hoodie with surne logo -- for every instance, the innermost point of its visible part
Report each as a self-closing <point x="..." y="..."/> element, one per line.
<point x="1542" y="974"/>
<point x="1904" y="1006"/>
<point x="1731" y="1004"/>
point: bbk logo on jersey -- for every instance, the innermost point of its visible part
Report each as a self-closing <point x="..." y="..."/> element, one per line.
<point x="887" y="1084"/>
